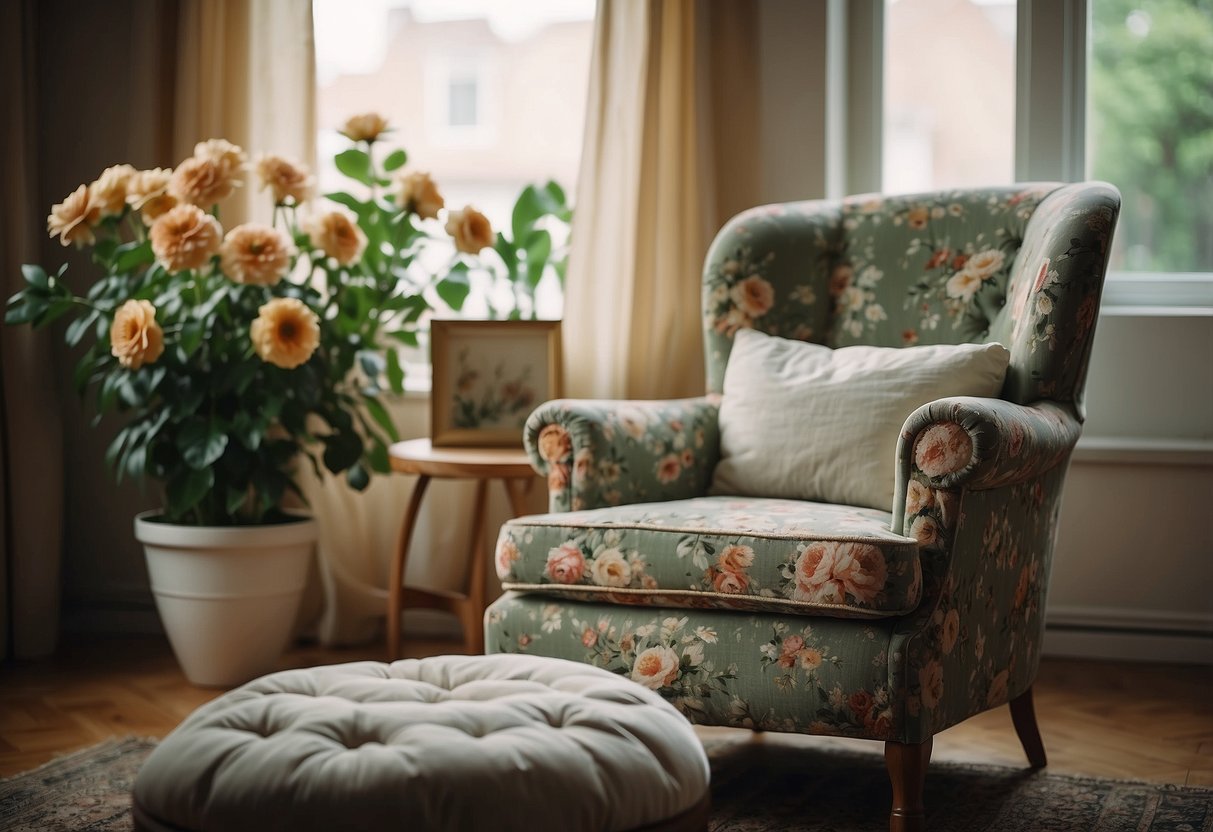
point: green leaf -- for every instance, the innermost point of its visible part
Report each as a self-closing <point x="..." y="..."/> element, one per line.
<point x="77" y="329"/>
<point x="538" y="249"/>
<point x="406" y="337"/>
<point x="358" y="477"/>
<point x="454" y="290"/>
<point x="508" y="254"/>
<point x="355" y="164"/>
<point x="372" y="363"/>
<point x="186" y="488"/>
<point x="381" y="463"/>
<point x="191" y="336"/>
<point x="27" y="311"/>
<point x="235" y="500"/>
<point x="133" y="255"/>
<point x="36" y="276"/>
<point x="395" y="373"/>
<point x="380" y="415"/>
<point x="527" y="209"/>
<point x="394" y="160"/>
<point x="201" y="443"/>
<point x="341" y="450"/>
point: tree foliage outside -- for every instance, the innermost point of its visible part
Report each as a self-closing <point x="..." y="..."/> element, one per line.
<point x="1151" y="128"/>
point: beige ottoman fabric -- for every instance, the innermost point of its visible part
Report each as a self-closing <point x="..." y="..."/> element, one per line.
<point x="502" y="742"/>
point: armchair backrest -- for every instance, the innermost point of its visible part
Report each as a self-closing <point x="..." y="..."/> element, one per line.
<point x="1022" y="265"/>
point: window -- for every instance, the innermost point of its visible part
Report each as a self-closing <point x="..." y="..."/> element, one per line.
<point x="485" y="95"/>
<point x="1150" y="129"/>
<point x="461" y="102"/>
<point x="949" y="94"/>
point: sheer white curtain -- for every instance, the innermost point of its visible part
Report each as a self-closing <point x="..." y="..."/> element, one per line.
<point x="666" y="158"/>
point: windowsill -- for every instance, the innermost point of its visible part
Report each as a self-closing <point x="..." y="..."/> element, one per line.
<point x="1158" y="294"/>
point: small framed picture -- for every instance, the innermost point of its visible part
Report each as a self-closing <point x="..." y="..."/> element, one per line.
<point x="488" y="377"/>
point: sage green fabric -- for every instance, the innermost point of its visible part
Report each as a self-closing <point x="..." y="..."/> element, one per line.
<point x="728" y="553"/>
<point x="978" y="480"/>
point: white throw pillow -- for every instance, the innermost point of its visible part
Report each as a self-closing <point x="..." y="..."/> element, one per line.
<point x="807" y="422"/>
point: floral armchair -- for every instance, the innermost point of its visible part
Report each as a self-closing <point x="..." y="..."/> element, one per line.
<point x="636" y="569"/>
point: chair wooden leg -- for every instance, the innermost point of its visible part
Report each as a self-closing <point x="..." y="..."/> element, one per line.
<point x="907" y="766"/>
<point x="396" y="579"/>
<point x="1023" y="715"/>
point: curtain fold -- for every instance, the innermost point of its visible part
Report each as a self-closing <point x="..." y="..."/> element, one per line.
<point x="31" y="448"/>
<point x="661" y="118"/>
<point x="246" y="73"/>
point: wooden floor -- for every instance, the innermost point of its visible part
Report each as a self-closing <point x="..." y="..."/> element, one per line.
<point x="1135" y="721"/>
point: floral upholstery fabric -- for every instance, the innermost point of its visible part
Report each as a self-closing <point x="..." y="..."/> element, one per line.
<point x="978" y="480"/>
<point x="727" y="553"/>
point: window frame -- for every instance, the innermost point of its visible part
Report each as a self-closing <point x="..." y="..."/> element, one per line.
<point x="1050" y="126"/>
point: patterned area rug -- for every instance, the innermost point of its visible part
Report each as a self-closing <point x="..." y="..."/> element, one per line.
<point x="756" y="787"/>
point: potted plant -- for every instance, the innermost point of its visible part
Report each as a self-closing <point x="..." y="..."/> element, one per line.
<point x="238" y="356"/>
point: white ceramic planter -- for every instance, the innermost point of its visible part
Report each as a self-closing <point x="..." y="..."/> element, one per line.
<point x="227" y="595"/>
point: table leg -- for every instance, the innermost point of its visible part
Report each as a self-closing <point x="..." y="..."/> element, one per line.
<point x="396" y="581"/>
<point x="517" y="491"/>
<point x="473" y="607"/>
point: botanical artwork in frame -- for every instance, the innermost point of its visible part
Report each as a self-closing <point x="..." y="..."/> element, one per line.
<point x="488" y="377"/>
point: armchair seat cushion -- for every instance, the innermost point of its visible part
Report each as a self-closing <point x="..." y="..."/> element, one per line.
<point x="740" y="553"/>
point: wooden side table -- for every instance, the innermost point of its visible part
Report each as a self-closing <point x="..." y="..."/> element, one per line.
<point x="418" y="456"/>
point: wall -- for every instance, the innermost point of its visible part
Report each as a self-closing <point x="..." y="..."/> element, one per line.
<point x="1133" y="572"/>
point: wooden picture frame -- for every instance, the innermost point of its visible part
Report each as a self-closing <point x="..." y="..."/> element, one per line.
<point x="488" y="377"/>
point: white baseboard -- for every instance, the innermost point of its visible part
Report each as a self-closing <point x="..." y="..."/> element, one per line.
<point x="1129" y="635"/>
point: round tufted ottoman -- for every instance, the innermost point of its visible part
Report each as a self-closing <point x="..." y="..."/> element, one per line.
<point x="503" y="742"/>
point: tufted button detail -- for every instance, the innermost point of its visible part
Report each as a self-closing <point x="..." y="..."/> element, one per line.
<point x="435" y="743"/>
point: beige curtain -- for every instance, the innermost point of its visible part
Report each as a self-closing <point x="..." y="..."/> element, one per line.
<point x="246" y="73"/>
<point x="31" y="450"/>
<point x="666" y="158"/>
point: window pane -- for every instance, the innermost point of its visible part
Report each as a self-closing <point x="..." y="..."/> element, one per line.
<point x="949" y="94"/>
<point x="485" y="95"/>
<point x="1150" y="128"/>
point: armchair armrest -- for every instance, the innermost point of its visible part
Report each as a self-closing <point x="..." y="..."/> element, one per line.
<point x="601" y="453"/>
<point x="978" y="444"/>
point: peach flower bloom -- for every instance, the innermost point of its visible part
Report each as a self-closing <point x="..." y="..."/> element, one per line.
<point x="943" y="448"/>
<point x="669" y="467"/>
<point x="950" y="631"/>
<point x="918" y="216"/>
<point x="827" y="572"/>
<point x="185" y="237"/>
<point x="754" y="296"/>
<point x="985" y="264"/>
<point x="998" y="689"/>
<point x="656" y="667"/>
<point x="729" y="582"/>
<point x="507" y="556"/>
<point x="211" y="174"/>
<point x="286" y="333"/>
<point x="108" y="192"/>
<point x="610" y="569"/>
<point x="926" y="531"/>
<point x="810" y="658"/>
<point x="147" y="193"/>
<point x="72" y="220"/>
<point x="1042" y="275"/>
<point x="791" y="646"/>
<point x="840" y="279"/>
<point x="554" y="443"/>
<point x="135" y="337"/>
<point x="566" y="564"/>
<point x="930" y="678"/>
<point x="963" y="285"/>
<point x="735" y="557"/>
<point x="918" y="497"/>
<point x="337" y="235"/>
<point x="256" y="254"/>
<point x="470" y="229"/>
<point x="417" y="192"/>
<point x="364" y="127"/>
<point x="285" y="179"/>
<point x="558" y="477"/>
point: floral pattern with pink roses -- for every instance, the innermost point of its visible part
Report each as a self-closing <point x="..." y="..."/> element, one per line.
<point x="978" y="491"/>
<point x="739" y="553"/>
<point x="601" y="453"/>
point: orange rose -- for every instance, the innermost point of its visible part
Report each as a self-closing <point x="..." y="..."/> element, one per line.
<point x="338" y="236"/>
<point x="470" y="230"/>
<point x="185" y="237"/>
<point x="285" y="333"/>
<point x="135" y="337"/>
<point x="72" y="220"/>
